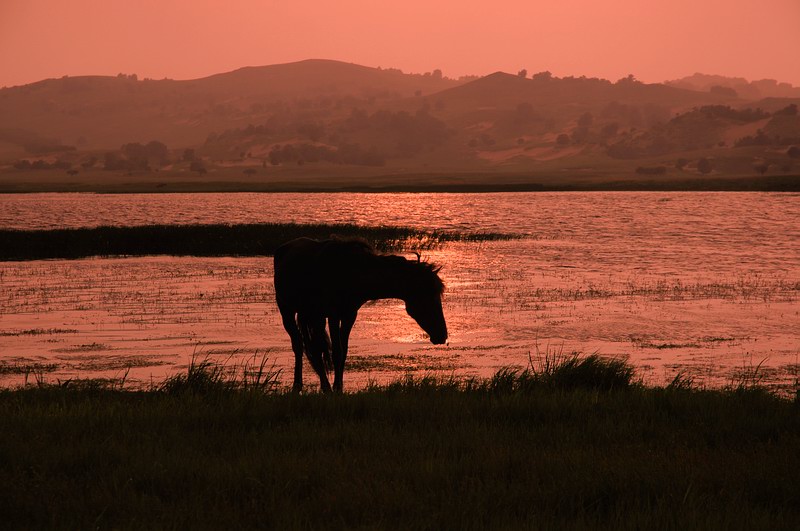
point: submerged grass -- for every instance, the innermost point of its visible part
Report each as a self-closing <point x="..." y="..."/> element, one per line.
<point x="575" y="443"/>
<point x="209" y="240"/>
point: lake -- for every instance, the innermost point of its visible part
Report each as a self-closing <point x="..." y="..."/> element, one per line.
<point x="700" y="284"/>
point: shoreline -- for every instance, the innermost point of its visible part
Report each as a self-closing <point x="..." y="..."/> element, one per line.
<point x="415" y="183"/>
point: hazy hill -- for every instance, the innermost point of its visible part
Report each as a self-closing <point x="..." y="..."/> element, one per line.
<point x="752" y="90"/>
<point x="106" y="112"/>
<point x="314" y="115"/>
<point x="501" y="89"/>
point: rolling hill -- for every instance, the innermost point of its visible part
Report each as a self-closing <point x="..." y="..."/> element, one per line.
<point x="317" y="115"/>
<point x="101" y="112"/>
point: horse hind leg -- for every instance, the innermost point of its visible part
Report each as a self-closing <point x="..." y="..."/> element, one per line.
<point x="316" y="342"/>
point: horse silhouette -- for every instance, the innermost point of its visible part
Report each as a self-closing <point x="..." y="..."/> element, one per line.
<point x="329" y="280"/>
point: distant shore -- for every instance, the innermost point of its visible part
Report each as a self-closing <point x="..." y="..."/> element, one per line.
<point x="431" y="182"/>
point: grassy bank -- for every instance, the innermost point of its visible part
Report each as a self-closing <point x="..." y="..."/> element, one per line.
<point x="207" y="240"/>
<point x="569" y="446"/>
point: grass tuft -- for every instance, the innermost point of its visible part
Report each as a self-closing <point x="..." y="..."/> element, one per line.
<point x="205" y="377"/>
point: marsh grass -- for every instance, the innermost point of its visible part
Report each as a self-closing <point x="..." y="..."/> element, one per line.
<point x="205" y="376"/>
<point x="210" y="240"/>
<point x="556" y="448"/>
<point x="37" y="332"/>
<point x="26" y="368"/>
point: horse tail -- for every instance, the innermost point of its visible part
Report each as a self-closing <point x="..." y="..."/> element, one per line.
<point x="315" y="340"/>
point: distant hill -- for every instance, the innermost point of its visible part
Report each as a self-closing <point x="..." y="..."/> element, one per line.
<point x="751" y="90"/>
<point x="318" y="115"/>
<point x="106" y="112"/>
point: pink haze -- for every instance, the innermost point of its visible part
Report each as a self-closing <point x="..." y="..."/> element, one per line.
<point x="654" y="40"/>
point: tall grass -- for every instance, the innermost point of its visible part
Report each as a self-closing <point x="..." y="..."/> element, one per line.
<point x="206" y="377"/>
<point x="209" y="240"/>
<point x="541" y="449"/>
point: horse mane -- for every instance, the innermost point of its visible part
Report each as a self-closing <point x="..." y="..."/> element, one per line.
<point x="427" y="273"/>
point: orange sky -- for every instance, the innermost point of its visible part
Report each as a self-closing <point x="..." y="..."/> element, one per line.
<point x="653" y="39"/>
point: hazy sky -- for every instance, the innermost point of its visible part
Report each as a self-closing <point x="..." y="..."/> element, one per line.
<point x="652" y="39"/>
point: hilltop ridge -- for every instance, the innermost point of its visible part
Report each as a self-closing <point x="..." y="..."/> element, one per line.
<point x="324" y="117"/>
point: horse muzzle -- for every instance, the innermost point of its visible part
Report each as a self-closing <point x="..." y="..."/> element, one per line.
<point x="441" y="340"/>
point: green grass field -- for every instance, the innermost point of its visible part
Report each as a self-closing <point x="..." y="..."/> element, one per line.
<point x="568" y="447"/>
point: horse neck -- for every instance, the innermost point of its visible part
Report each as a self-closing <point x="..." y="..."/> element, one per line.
<point x="385" y="280"/>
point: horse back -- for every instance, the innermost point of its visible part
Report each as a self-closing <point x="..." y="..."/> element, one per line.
<point x="316" y="275"/>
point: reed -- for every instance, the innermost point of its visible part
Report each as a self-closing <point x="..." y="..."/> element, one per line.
<point x="210" y="240"/>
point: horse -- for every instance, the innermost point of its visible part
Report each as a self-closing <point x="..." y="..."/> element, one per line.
<point x="329" y="280"/>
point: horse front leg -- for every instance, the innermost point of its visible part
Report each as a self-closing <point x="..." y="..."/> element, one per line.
<point x="290" y="325"/>
<point x="340" y="335"/>
<point x="334" y="327"/>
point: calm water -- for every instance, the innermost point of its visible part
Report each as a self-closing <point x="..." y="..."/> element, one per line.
<point x="705" y="283"/>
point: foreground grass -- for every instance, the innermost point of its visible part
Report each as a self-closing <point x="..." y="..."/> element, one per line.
<point x="207" y="240"/>
<point x="552" y="449"/>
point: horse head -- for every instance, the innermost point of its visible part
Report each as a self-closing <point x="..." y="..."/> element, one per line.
<point x="424" y="300"/>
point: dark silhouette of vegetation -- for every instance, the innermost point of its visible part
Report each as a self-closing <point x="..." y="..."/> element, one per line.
<point x="136" y="156"/>
<point x="203" y="448"/>
<point x="724" y="112"/>
<point x="40" y="164"/>
<point x="198" y="166"/>
<point x="705" y="166"/>
<point x="723" y="91"/>
<point x="580" y="134"/>
<point x="312" y="131"/>
<point x="651" y="170"/>
<point x="206" y="240"/>
<point x="33" y="143"/>
<point x="344" y="154"/>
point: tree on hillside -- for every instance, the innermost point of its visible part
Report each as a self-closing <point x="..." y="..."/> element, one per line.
<point x="312" y="131"/>
<point x="523" y="73"/>
<point x="580" y="134"/>
<point x="542" y="76"/>
<point x="630" y="79"/>
<point x="609" y="130"/>
<point x="720" y="90"/>
<point x="704" y="166"/>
